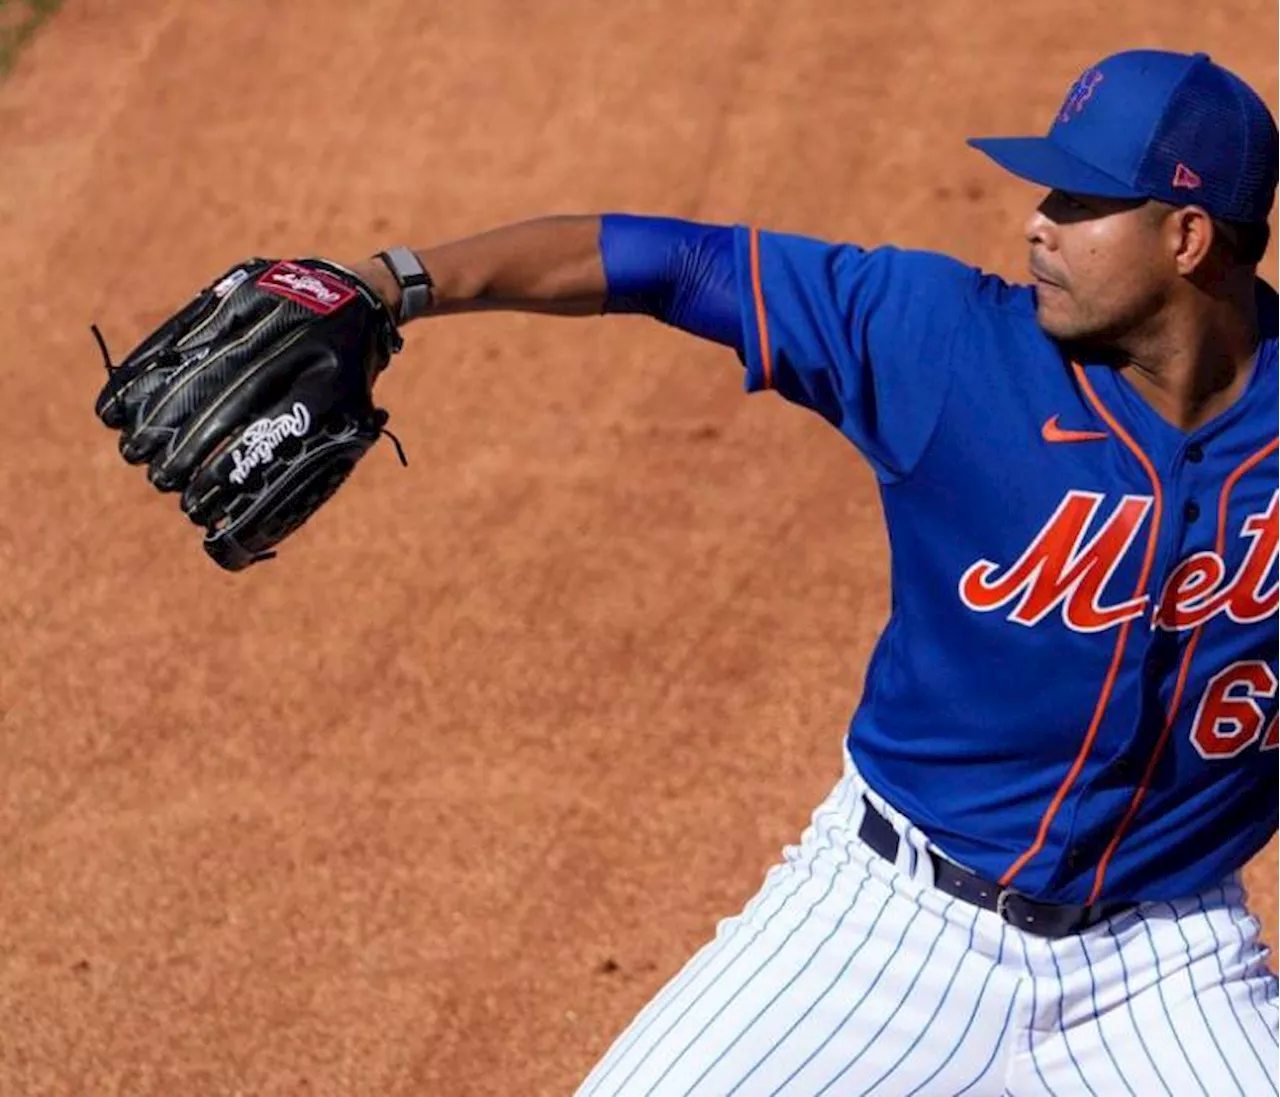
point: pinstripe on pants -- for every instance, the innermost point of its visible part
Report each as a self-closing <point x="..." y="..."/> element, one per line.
<point x="847" y="975"/>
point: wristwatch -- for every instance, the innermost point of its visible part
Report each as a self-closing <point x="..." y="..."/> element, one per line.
<point x="417" y="291"/>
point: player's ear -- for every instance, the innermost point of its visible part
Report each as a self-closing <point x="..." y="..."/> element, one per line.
<point x="1190" y="235"/>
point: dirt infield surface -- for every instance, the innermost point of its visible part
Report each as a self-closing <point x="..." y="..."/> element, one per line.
<point x="432" y="804"/>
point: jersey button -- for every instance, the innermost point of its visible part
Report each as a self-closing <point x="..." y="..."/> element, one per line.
<point x="1195" y="453"/>
<point x="1192" y="511"/>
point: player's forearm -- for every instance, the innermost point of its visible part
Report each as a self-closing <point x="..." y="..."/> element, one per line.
<point x="549" y="265"/>
<point x="680" y="272"/>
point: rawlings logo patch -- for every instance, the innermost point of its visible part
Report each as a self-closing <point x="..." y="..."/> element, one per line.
<point x="258" y="444"/>
<point x="317" y="290"/>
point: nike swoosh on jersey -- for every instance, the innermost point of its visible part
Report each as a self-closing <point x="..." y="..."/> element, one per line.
<point x="1051" y="432"/>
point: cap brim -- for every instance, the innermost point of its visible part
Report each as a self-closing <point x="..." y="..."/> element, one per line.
<point x="1039" y="160"/>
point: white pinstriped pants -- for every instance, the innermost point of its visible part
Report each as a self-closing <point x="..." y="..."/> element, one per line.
<point x="847" y="975"/>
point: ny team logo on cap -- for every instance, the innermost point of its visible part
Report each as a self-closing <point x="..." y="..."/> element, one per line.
<point x="1081" y="92"/>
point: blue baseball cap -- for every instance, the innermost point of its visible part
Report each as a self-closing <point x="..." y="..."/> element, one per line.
<point x="1154" y="124"/>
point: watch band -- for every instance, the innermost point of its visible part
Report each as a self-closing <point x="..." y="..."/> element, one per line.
<point x="416" y="288"/>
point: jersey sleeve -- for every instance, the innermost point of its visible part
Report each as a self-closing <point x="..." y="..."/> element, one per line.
<point x="862" y="337"/>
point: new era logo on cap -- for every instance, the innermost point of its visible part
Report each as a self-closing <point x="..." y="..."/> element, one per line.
<point x="1184" y="177"/>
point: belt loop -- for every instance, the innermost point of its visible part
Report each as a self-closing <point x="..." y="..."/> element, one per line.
<point x="922" y="863"/>
<point x="908" y="852"/>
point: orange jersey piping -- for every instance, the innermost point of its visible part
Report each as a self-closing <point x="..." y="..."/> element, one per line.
<point x="762" y="319"/>
<point x="1108" y="683"/>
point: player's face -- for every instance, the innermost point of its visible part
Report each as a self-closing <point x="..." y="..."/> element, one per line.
<point x="1099" y="266"/>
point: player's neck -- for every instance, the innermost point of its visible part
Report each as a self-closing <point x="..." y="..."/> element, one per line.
<point x="1192" y="363"/>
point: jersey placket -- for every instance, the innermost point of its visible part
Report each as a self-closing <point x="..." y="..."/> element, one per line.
<point x="1161" y="656"/>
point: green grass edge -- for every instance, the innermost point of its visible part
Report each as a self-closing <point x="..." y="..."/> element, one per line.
<point x="16" y="36"/>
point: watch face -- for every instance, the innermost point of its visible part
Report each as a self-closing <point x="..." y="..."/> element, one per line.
<point x="405" y="265"/>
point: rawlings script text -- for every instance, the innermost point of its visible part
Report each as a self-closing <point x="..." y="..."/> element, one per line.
<point x="258" y="443"/>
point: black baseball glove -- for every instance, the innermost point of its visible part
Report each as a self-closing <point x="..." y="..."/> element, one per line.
<point x="255" y="400"/>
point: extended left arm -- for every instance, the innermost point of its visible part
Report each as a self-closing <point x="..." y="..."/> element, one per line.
<point x="680" y="272"/>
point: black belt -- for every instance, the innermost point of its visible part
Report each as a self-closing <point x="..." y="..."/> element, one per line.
<point x="1041" y="919"/>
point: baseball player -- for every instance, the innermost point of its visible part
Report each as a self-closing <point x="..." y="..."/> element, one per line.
<point x="1027" y="880"/>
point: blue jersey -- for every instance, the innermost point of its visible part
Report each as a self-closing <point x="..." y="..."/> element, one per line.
<point x="1075" y="693"/>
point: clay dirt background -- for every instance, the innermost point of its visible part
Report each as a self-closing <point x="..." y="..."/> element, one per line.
<point x="434" y="803"/>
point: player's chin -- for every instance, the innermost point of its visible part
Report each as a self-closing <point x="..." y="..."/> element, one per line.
<point x="1059" y="320"/>
<point x="1053" y="323"/>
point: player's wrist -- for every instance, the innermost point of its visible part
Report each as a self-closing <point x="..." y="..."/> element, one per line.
<point x="376" y="275"/>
